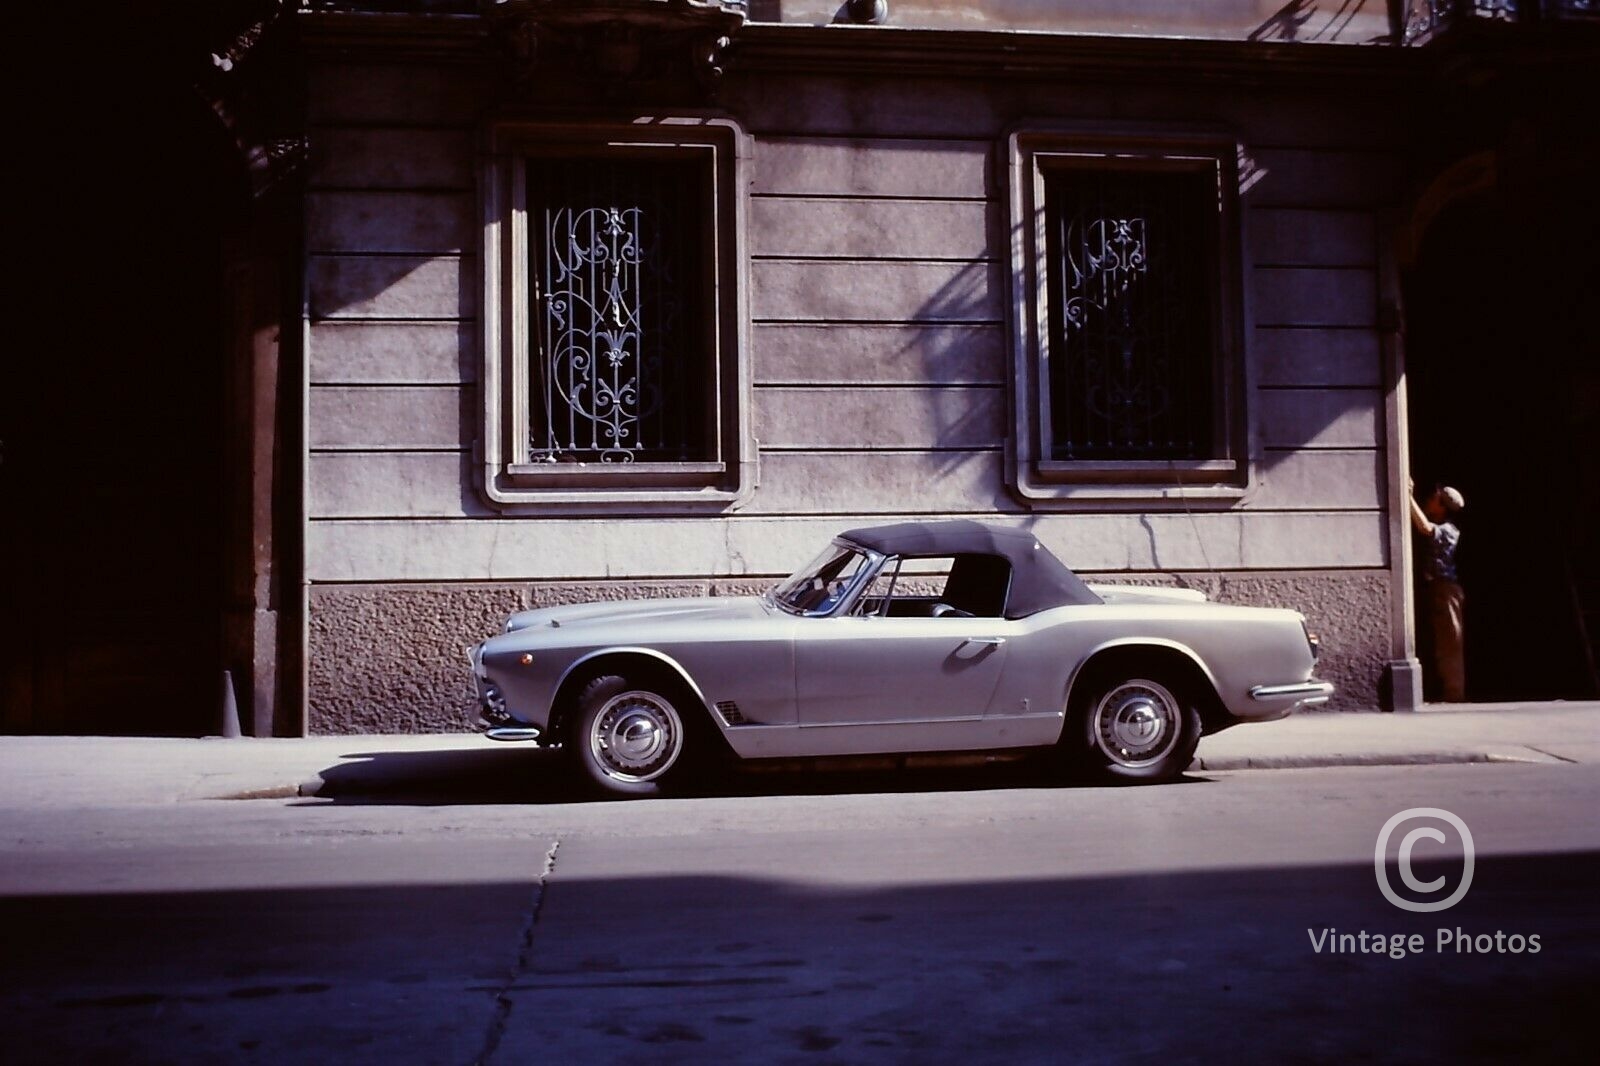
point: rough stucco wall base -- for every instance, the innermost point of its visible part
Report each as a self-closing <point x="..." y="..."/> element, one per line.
<point x="392" y="658"/>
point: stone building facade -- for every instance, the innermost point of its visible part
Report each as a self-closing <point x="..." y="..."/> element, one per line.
<point x="879" y="293"/>
<point x="587" y="299"/>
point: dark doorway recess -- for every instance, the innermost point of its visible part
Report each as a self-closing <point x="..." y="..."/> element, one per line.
<point x="1501" y="361"/>
<point x="113" y="425"/>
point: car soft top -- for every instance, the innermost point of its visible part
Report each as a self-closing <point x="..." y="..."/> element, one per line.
<point x="1039" y="580"/>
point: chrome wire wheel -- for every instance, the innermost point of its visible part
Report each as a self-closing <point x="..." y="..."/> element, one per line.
<point x="1136" y="724"/>
<point x="636" y="737"/>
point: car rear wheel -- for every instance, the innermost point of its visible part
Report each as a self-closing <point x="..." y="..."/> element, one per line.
<point x="1134" y="728"/>
<point x="629" y="737"/>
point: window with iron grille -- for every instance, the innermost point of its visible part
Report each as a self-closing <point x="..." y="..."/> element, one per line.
<point x="1129" y="255"/>
<point x="1128" y="338"/>
<point x="614" y="316"/>
<point x="619" y="338"/>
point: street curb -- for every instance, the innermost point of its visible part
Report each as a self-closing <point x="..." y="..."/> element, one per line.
<point x="1315" y="762"/>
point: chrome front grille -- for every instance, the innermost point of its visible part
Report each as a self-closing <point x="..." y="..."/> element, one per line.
<point x="494" y="705"/>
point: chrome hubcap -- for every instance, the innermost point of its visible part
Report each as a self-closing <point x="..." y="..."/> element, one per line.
<point x="1137" y="723"/>
<point x="636" y="737"/>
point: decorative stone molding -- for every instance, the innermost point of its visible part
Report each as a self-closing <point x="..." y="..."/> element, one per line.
<point x="243" y="85"/>
<point x="619" y="48"/>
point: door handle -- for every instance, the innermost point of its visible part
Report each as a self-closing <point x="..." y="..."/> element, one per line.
<point x="987" y="642"/>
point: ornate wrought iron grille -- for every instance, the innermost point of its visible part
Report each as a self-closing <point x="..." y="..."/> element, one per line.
<point x="1425" y="18"/>
<point x="619" y="342"/>
<point x="1132" y="268"/>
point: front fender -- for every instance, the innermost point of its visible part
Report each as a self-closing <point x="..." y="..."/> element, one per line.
<point x="576" y="667"/>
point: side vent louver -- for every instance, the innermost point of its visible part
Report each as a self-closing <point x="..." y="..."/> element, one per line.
<point x="730" y="713"/>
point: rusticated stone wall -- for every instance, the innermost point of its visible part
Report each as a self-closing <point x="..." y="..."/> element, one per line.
<point x="392" y="658"/>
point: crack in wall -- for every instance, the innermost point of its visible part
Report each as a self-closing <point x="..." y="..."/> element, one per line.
<point x="502" y="995"/>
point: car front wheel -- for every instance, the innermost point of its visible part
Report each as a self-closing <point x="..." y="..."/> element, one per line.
<point x="629" y="736"/>
<point x="1134" y="729"/>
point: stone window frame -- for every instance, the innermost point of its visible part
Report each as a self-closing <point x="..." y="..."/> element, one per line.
<point x="511" y="480"/>
<point x="1042" y="483"/>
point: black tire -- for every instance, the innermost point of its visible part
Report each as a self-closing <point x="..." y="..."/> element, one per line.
<point x="628" y="737"/>
<point x="1133" y="725"/>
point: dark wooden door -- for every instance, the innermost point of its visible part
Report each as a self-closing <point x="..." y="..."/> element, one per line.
<point x="111" y="476"/>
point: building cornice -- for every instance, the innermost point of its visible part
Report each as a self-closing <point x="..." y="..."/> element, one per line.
<point x="875" y="50"/>
<point x="1017" y="55"/>
<point x="399" y="38"/>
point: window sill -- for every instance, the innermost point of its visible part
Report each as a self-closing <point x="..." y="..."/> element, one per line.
<point x="619" y="475"/>
<point x="1179" y="473"/>
<point x="1053" y="483"/>
<point x="558" y="489"/>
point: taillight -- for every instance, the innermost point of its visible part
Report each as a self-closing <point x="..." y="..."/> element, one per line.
<point x="1313" y="641"/>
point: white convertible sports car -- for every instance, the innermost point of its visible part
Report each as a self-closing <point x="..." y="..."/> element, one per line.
<point x="910" y="638"/>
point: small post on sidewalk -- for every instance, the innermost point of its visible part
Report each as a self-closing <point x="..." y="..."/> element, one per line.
<point x="230" y="707"/>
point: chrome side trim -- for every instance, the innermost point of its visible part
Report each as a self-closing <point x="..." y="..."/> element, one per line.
<point x="891" y="722"/>
<point x="513" y="733"/>
<point x="922" y="722"/>
<point x="1305" y="691"/>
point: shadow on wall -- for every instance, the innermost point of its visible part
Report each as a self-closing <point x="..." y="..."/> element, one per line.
<point x="1305" y="395"/>
<point x="972" y="302"/>
<point x="1318" y="446"/>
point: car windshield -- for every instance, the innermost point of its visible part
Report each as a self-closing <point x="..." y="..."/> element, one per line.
<point x="818" y="587"/>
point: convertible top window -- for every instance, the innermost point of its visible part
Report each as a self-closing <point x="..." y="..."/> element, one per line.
<point x="822" y="585"/>
<point x="965" y="586"/>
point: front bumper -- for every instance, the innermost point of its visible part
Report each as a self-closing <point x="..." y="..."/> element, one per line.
<point x="491" y="701"/>
<point x="494" y="718"/>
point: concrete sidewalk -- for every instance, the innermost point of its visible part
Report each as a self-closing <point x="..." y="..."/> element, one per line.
<point x="1445" y="733"/>
<point x="100" y="771"/>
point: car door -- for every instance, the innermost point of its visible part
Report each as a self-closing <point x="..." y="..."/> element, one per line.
<point x="873" y="666"/>
<point x="860" y="670"/>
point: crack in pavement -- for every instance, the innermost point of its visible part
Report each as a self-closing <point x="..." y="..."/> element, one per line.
<point x="502" y="993"/>
<point x="1552" y="754"/>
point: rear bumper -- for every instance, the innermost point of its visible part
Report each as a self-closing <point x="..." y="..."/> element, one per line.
<point x="1299" y="692"/>
<point x="1268" y="703"/>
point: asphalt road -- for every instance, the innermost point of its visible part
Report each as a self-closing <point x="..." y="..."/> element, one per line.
<point x="937" y="917"/>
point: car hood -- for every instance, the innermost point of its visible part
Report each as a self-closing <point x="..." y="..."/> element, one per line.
<point x="697" y="610"/>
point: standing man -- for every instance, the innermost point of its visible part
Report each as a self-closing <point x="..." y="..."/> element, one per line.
<point x="1434" y="518"/>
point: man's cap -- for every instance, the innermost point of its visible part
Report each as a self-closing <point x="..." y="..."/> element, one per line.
<point x="1452" y="498"/>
